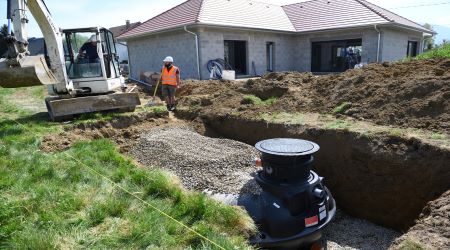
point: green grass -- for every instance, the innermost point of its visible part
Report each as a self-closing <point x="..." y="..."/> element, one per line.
<point x="283" y="117"/>
<point x="108" y="116"/>
<point x="409" y="244"/>
<point x="338" y="124"/>
<point x="50" y="201"/>
<point x="342" y="108"/>
<point x="441" y="52"/>
<point x="254" y="100"/>
<point x="438" y="136"/>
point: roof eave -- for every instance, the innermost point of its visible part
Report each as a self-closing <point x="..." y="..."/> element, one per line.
<point x="424" y="30"/>
<point x="342" y="28"/>
<point x="126" y="38"/>
<point x="200" y="24"/>
<point x="245" y="28"/>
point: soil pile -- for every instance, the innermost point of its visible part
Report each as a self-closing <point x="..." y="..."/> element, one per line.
<point x="411" y="94"/>
<point x="123" y="130"/>
<point x="202" y="163"/>
<point x="433" y="227"/>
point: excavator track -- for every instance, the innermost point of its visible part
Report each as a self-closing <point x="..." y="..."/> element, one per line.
<point x="61" y="109"/>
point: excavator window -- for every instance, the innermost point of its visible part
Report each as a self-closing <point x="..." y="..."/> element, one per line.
<point x="82" y="55"/>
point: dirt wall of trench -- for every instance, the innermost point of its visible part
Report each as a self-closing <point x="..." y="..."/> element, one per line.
<point x="385" y="179"/>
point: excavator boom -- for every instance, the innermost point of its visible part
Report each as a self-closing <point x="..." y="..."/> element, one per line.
<point x="77" y="83"/>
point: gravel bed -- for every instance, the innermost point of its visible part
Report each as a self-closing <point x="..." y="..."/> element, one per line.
<point x="346" y="232"/>
<point x="202" y="163"/>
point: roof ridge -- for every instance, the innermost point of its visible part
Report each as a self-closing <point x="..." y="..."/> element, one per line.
<point x="393" y="13"/>
<point x="298" y="3"/>
<point x="364" y="3"/>
<point x="197" y="19"/>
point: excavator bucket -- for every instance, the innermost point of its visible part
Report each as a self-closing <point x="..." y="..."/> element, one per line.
<point x="31" y="71"/>
<point x="61" y="109"/>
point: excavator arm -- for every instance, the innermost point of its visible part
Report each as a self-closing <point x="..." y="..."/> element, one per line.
<point x="19" y="69"/>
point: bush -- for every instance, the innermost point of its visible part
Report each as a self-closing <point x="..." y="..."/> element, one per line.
<point x="441" y="52"/>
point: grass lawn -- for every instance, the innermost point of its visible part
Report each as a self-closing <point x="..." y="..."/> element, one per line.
<point x="51" y="201"/>
<point x="440" y="52"/>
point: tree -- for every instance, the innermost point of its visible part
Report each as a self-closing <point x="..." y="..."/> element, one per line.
<point x="429" y="40"/>
<point x="3" y="35"/>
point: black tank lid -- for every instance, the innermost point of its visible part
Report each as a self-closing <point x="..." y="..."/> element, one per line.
<point x="287" y="147"/>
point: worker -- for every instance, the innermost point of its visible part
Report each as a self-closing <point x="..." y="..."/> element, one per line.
<point x="170" y="79"/>
<point x="89" y="49"/>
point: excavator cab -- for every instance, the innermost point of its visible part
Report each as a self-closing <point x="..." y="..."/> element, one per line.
<point x="91" y="60"/>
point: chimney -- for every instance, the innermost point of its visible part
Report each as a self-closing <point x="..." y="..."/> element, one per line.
<point x="127" y="24"/>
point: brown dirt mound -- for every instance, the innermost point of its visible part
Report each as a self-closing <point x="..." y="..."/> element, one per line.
<point x="412" y="94"/>
<point x="433" y="227"/>
<point x="125" y="131"/>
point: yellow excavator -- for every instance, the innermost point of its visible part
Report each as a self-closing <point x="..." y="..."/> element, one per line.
<point x="80" y="68"/>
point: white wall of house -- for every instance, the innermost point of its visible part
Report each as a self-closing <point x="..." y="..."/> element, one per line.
<point x="147" y="53"/>
<point x="122" y="51"/>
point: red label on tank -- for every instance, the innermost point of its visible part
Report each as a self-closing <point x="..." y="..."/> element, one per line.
<point x="311" y="221"/>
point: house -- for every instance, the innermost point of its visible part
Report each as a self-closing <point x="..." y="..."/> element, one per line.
<point x="121" y="47"/>
<point x="255" y="38"/>
<point x="36" y="46"/>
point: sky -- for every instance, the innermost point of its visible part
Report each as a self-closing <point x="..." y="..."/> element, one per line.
<point x="110" y="13"/>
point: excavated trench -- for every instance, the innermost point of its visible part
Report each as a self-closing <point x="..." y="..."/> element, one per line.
<point x="385" y="179"/>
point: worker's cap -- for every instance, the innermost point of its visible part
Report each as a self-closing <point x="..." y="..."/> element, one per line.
<point x="168" y="59"/>
<point x="93" y="39"/>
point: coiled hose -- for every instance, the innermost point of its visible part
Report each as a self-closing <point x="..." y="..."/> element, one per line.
<point x="216" y="67"/>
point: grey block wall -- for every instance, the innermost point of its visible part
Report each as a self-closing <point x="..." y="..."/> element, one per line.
<point x="147" y="53"/>
<point x="212" y="47"/>
<point x="292" y="51"/>
<point x="394" y="43"/>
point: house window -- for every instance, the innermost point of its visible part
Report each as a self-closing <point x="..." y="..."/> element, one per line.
<point x="412" y="49"/>
<point x="270" y="56"/>
<point x="335" y="56"/>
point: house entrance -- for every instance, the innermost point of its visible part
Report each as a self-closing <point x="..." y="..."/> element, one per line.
<point x="236" y="55"/>
<point x="335" y="56"/>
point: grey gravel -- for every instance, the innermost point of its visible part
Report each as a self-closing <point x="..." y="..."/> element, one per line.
<point x="349" y="233"/>
<point x="202" y="163"/>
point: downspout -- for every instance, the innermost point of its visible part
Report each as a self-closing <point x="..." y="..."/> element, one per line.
<point x="197" y="50"/>
<point x="379" y="43"/>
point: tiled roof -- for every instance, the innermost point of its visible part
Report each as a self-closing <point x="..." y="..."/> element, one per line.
<point x="246" y="14"/>
<point x="183" y="14"/>
<point x="331" y="14"/>
<point x="313" y="15"/>
<point x="391" y="16"/>
<point x="119" y="30"/>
